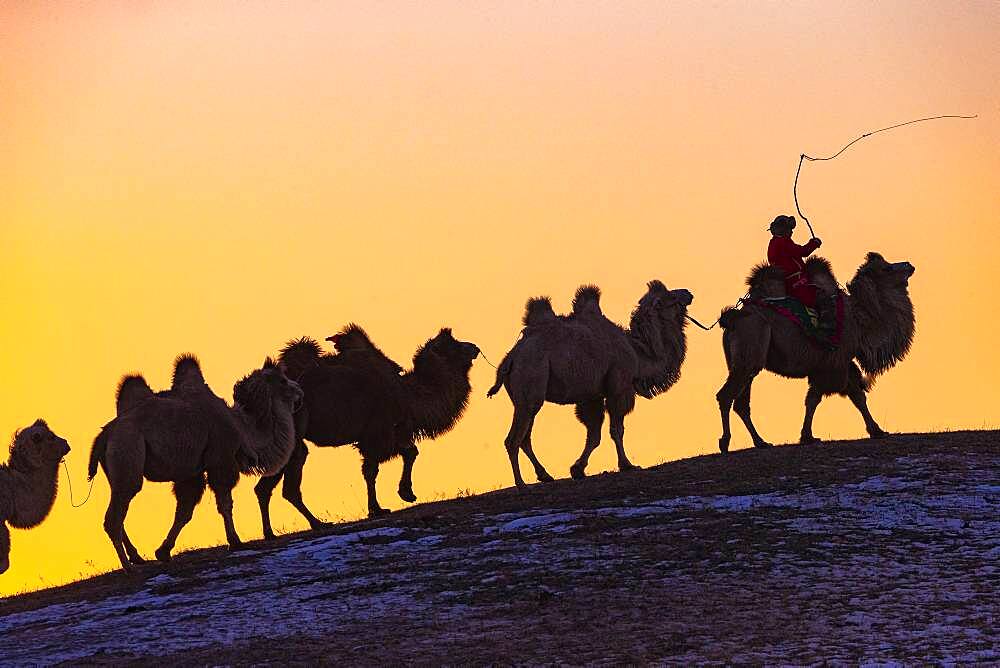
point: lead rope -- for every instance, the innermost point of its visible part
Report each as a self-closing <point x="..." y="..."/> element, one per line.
<point x="803" y="157"/>
<point x="69" y="481"/>
<point x="487" y="359"/>
<point x="739" y="303"/>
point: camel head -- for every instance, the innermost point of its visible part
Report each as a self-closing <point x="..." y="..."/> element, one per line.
<point x="667" y="306"/>
<point x="37" y="447"/>
<point x="882" y="275"/>
<point x="455" y="354"/>
<point x="266" y="391"/>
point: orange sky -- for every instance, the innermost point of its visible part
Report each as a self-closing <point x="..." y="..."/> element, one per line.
<point x="177" y="177"/>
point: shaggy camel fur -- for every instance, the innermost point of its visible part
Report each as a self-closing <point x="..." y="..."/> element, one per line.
<point x="587" y="360"/>
<point x="28" y="481"/>
<point x="187" y="434"/>
<point x="878" y="331"/>
<point x="358" y="397"/>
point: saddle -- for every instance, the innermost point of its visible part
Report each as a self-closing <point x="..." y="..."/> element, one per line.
<point x="824" y="325"/>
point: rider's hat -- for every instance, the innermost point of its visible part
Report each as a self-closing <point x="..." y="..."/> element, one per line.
<point x="782" y="221"/>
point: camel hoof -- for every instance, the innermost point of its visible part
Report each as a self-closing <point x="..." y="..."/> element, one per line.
<point x="545" y="477"/>
<point x="879" y="435"/>
<point x="576" y="472"/>
<point x="319" y="524"/>
<point x="162" y="555"/>
<point x="628" y="466"/>
<point x="269" y="535"/>
<point x="810" y="440"/>
<point x="407" y="495"/>
<point x="137" y="559"/>
<point x="378" y="512"/>
<point x="723" y="445"/>
<point x="762" y="444"/>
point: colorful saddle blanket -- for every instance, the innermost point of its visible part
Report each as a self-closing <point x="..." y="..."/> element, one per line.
<point x="827" y="333"/>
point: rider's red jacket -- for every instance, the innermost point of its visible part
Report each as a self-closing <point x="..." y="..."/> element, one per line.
<point x="785" y="253"/>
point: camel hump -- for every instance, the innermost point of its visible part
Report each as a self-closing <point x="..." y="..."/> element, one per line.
<point x="820" y="273"/>
<point x="300" y="354"/>
<point x="132" y="390"/>
<point x="766" y="280"/>
<point x="187" y="371"/>
<point x="354" y="339"/>
<point x="538" y="311"/>
<point x="587" y="300"/>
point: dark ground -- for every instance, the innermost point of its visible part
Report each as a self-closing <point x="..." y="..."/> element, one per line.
<point x="843" y="552"/>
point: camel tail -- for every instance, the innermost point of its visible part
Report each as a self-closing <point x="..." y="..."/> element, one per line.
<point x="502" y="372"/>
<point x="729" y="317"/>
<point x="98" y="450"/>
<point x="132" y="390"/>
<point x="187" y="369"/>
<point x="299" y="355"/>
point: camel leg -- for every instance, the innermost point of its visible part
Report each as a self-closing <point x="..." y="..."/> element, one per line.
<point x="133" y="554"/>
<point x="725" y="396"/>
<point x="188" y="494"/>
<point x="813" y="397"/>
<point x="617" y="420"/>
<point x="369" y="469"/>
<point x="520" y="429"/>
<point x="410" y="453"/>
<point x="263" y="489"/>
<point x="4" y="547"/>
<point x="291" y="486"/>
<point x="114" y="520"/>
<point x="619" y="405"/>
<point x="222" y="482"/>
<point x="540" y="472"/>
<point x="741" y="405"/>
<point x="857" y="395"/>
<point x="591" y="414"/>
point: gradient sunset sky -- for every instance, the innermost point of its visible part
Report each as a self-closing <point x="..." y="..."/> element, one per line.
<point x="219" y="177"/>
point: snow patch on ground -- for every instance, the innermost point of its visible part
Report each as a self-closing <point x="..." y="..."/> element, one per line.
<point x="887" y="562"/>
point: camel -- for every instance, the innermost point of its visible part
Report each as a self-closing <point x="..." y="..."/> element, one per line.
<point x="187" y="434"/>
<point x="359" y="397"/>
<point x="878" y="329"/>
<point x="28" y="481"/>
<point x="589" y="361"/>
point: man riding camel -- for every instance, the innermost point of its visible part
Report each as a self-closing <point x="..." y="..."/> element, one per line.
<point x="784" y="253"/>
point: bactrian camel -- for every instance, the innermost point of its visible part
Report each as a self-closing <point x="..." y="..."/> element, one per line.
<point x="878" y="328"/>
<point x="589" y="361"/>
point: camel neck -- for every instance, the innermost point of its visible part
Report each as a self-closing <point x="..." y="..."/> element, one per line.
<point x="437" y="397"/>
<point x="660" y="354"/>
<point x="264" y="448"/>
<point x="31" y="493"/>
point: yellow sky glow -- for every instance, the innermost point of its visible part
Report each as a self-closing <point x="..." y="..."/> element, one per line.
<point x="218" y="179"/>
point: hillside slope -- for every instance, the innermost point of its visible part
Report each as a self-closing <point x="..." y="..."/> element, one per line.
<point x="844" y="551"/>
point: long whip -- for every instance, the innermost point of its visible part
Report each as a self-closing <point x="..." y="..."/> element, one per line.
<point x="803" y="157"/>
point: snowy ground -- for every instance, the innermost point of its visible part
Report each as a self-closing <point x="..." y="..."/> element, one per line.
<point x="897" y="566"/>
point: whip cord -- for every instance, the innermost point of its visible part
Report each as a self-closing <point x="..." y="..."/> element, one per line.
<point x="803" y="157"/>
